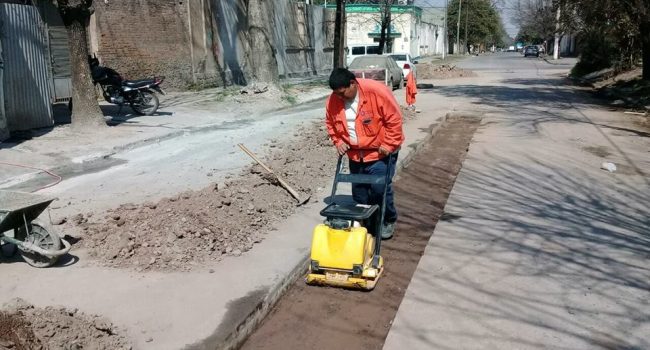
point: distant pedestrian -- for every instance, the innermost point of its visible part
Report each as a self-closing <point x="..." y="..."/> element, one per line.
<point x="364" y="121"/>
<point x="411" y="90"/>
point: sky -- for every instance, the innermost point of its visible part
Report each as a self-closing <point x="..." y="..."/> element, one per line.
<point x="504" y="10"/>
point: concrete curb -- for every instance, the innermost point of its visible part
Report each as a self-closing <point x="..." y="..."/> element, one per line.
<point x="144" y="142"/>
<point x="251" y="321"/>
<point x="545" y="59"/>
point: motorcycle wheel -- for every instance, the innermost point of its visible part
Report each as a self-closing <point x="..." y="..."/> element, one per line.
<point x="145" y="103"/>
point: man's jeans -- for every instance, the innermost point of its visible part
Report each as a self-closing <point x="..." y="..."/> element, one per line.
<point x="372" y="194"/>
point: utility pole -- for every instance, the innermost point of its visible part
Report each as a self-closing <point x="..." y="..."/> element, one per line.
<point x="460" y="5"/>
<point x="556" y="47"/>
<point x="445" y="39"/>
<point x="466" y="20"/>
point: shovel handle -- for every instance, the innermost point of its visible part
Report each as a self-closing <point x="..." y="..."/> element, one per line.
<point x="280" y="180"/>
<point x="252" y="155"/>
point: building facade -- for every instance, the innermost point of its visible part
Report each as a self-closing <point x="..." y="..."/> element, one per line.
<point x="408" y="31"/>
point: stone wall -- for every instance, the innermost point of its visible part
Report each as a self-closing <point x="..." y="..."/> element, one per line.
<point x="203" y="43"/>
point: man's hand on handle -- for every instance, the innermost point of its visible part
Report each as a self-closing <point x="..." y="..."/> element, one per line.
<point x="342" y="148"/>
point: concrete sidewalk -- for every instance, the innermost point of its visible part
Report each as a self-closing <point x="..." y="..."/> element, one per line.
<point x="215" y="305"/>
<point x="59" y="149"/>
<point x="538" y="247"/>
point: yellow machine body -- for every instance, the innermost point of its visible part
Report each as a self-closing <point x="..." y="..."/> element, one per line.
<point x="343" y="258"/>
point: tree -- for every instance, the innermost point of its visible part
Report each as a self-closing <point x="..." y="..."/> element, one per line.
<point x="339" y="35"/>
<point x="622" y="25"/>
<point x="480" y="22"/>
<point x="85" y="109"/>
<point x="385" y="23"/>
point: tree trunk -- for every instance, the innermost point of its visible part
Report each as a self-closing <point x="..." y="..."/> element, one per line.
<point x="644" y="27"/>
<point x="385" y="24"/>
<point x="264" y="66"/>
<point x="85" y="109"/>
<point x="339" y="35"/>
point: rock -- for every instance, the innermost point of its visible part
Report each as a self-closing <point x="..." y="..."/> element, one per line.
<point x="6" y="344"/>
<point x="243" y="190"/>
<point x="206" y="230"/>
<point x="152" y="261"/>
<point x="103" y="324"/>
<point x="150" y="205"/>
<point x="209" y="174"/>
<point x="215" y="187"/>
<point x="183" y="219"/>
<point x="211" y="271"/>
<point x="121" y="222"/>
<point x="60" y="221"/>
<point x="236" y="252"/>
<point x="149" y="340"/>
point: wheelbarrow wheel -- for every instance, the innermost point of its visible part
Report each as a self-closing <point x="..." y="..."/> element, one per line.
<point x="8" y="250"/>
<point x="43" y="236"/>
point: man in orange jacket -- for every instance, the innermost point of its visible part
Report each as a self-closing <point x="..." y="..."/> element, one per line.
<point x="364" y="120"/>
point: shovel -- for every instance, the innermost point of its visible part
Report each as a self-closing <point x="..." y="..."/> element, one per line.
<point x="284" y="184"/>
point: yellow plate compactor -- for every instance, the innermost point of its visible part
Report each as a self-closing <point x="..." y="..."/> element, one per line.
<point x="343" y="252"/>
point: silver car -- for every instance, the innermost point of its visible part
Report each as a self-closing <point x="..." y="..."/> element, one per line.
<point x="407" y="63"/>
<point x="378" y="67"/>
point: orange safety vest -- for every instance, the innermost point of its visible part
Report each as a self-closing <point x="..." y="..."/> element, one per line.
<point x="378" y="122"/>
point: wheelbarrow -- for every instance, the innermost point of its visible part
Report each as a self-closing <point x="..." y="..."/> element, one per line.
<point x="37" y="242"/>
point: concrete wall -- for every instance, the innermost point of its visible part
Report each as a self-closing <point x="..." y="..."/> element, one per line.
<point x="416" y="37"/>
<point x="431" y="39"/>
<point x="305" y="41"/>
<point x="143" y="38"/>
<point x="4" y="129"/>
<point x="204" y="42"/>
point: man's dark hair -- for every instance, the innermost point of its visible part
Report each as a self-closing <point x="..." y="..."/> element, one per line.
<point x="341" y="77"/>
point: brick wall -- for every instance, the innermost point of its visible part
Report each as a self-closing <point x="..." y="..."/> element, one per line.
<point x="143" y="38"/>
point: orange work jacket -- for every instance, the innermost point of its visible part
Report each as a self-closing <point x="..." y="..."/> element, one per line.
<point x="378" y="122"/>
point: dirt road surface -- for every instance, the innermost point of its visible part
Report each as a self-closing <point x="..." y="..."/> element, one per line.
<point x="329" y="318"/>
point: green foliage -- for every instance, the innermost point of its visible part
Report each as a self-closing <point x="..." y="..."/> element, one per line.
<point x="608" y="31"/>
<point x="597" y="54"/>
<point x="484" y="25"/>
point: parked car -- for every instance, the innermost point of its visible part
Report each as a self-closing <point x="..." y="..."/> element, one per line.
<point x="407" y="63"/>
<point x="355" y="51"/>
<point x="378" y="67"/>
<point x="511" y="49"/>
<point x="531" y="51"/>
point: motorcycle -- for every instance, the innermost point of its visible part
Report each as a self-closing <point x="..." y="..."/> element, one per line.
<point x="139" y="94"/>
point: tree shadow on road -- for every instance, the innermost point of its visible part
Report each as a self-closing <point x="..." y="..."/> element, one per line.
<point x="525" y="263"/>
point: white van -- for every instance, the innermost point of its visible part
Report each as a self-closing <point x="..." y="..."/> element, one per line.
<point x="357" y="50"/>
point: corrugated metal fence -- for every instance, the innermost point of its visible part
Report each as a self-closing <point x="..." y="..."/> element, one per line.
<point x="26" y="75"/>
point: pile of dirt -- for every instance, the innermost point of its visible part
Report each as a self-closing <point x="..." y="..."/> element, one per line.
<point x="626" y="89"/>
<point x="223" y="219"/>
<point x="443" y="71"/>
<point x="22" y="326"/>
